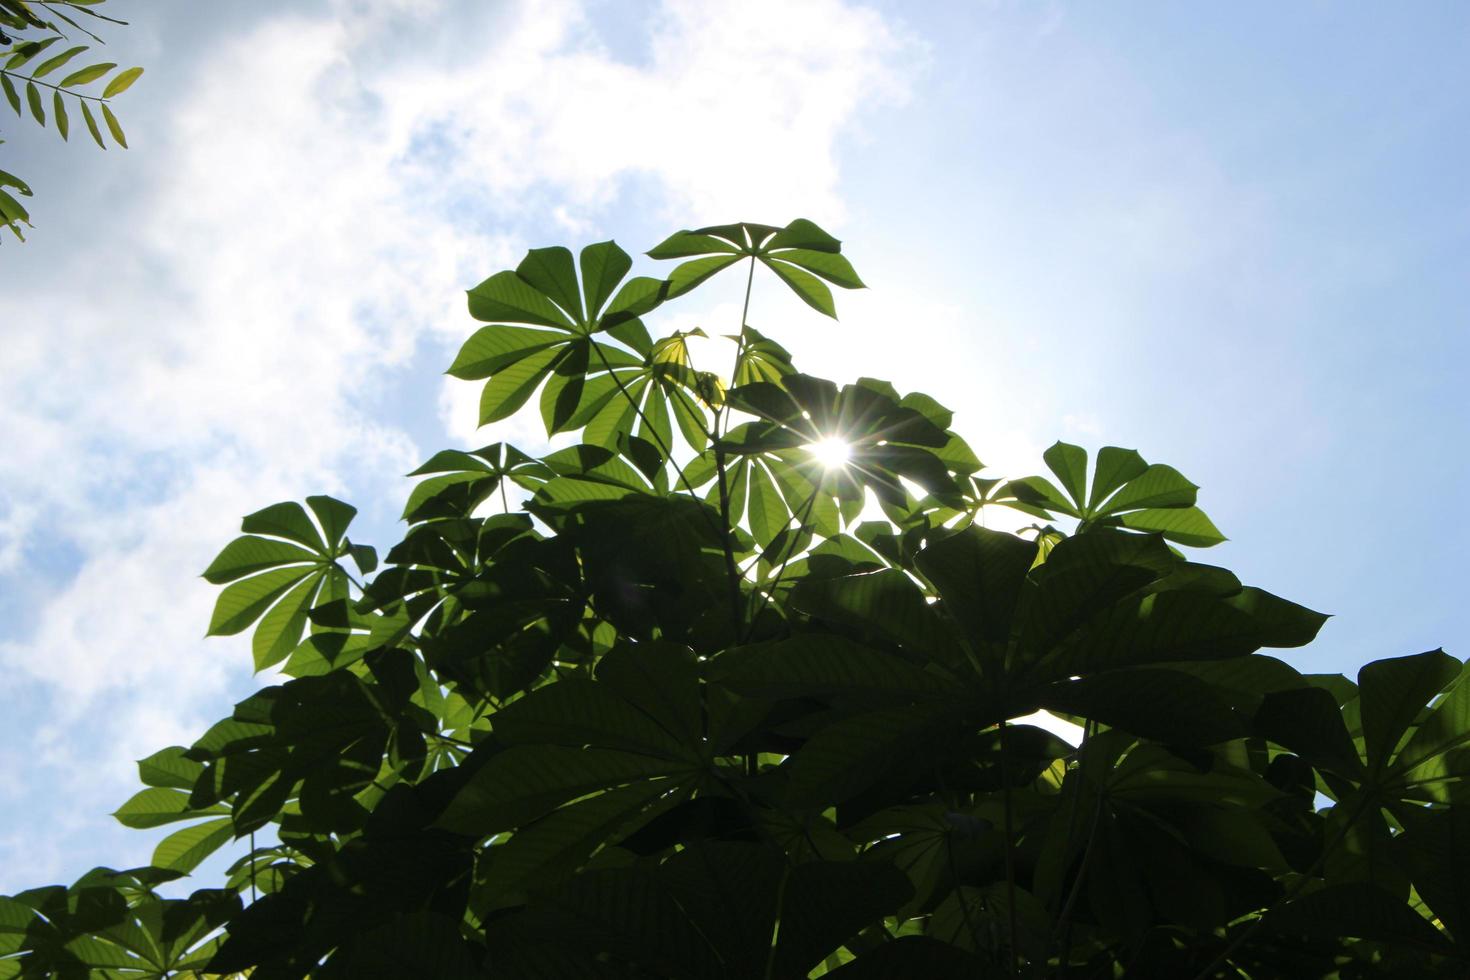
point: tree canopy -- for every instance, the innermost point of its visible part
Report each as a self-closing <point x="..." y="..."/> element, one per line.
<point x="42" y="71"/>
<point x="741" y="685"/>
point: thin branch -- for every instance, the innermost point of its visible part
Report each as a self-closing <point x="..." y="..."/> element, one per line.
<point x="72" y="23"/>
<point x="739" y="344"/>
<point x="732" y="573"/>
<point x="1065" y="919"/>
<point x="65" y="91"/>
<point x="90" y="13"/>
<point x="1005" y="778"/>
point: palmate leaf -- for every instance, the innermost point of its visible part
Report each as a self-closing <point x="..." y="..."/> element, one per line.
<point x="458" y="482"/>
<point x="801" y="255"/>
<point x="544" y="292"/>
<point x="1125" y="492"/>
<point x="275" y="580"/>
<point x="890" y="445"/>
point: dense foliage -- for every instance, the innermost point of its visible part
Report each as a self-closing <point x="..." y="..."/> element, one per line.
<point x="37" y="58"/>
<point x="740" y="685"/>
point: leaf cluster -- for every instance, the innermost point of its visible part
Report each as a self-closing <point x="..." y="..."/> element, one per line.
<point x="683" y="700"/>
<point x="39" y="67"/>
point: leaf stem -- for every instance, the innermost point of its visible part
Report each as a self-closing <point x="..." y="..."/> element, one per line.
<point x="1065" y="919"/>
<point x="89" y="12"/>
<point x="65" y="91"/>
<point x="1005" y="779"/>
<point x="732" y="572"/>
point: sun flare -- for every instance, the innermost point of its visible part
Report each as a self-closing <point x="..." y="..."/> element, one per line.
<point x="832" y="452"/>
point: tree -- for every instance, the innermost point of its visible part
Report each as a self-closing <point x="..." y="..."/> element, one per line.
<point x="710" y="702"/>
<point x="30" y="66"/>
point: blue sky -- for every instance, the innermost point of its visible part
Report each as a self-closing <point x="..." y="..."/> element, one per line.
<point x="1235" y="237"/>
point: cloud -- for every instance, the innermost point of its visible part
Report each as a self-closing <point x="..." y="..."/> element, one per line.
<point x="303" y="237"/>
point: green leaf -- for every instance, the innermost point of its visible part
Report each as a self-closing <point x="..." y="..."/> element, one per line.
<point x="682" y="244"/>
<point x="525" y="782"/>
<point x="333" y="515"/>
<point x="1114" y="467"/>
<point x="830" y="266"/>
<point x="508" y="297"/>
<point x="639" y="295"/>
<point x="543" y="852"/>
<point x="248" y="554"/>
<point x="58" y="109"/>
<point x="244" y="602"/>
<point x="33" y="97"/>
<point x="280" y="629"/>
<point x="510" y="388"/>
<point x="51" y="64"/>
<point x="490" y="349"/>
<point x="552" y="272"/>
<point x="114" y="127"/>
<point x="184" y="850"/>
<point x="1446" y="727"/>
<point x="1168" y="705"/>
<point x="92" y="126"/>
<point x="604" y="265"/>
<point x="1157" y="486"/>
<point x="169" y="768"/>
<point x="1069" y="463"/>
<point x="979" y="574"/>
<point x="576" y="712"/>
<point x="121" y="82"/>
<point x="768" y="513"/>
<point x="826" y="666"/>
<point x="660" y="679"/>
<point x="157" y="806"/>
<point x="27" y="50"/>
<point x="1308" y="722"/>
<point x="1392" y="692"/>
<point x="1186" y="525"/>
<point x="690" y="274"/>
<point x="888" y="605"/>
<point x="811" y="289"/>
<point x="11" y="95"/>
<point x="1041" y="492"/>
<point x="827" y="902"/>
<point x="1361" y="910"/>
<point x="11" y="209"/>
<point x="1433" y="851"/>
<point x="285" y="520"/>
<point x="11" y="180"/>
<point x="89" y="74"/>
<point x="804" y="234"/>
<point x="846" y="757"/>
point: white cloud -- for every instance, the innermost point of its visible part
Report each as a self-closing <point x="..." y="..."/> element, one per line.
<point x="326" y="188"/>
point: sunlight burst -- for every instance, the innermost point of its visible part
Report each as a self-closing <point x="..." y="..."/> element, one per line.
<point x="832" y="452"/>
